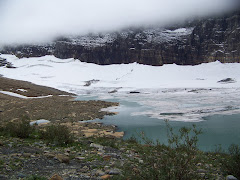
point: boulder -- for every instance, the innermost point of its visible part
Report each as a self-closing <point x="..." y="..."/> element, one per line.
<point x="26" y="155"/>
<point x="98" y="146"/>
<point x="99" y="173"/>
<point x="114" y="172"/>
<point x="107" y="176"/>
<point x="63" y="158"/>
<point x="231" y="177"/>
<point x="56" y="177"/>
<point x="106" y="158"/>
<point x="227" y="80"/>
<point x="134" y="92"/>
<point x="49" y="155"/>
<point x="80" y="158"/>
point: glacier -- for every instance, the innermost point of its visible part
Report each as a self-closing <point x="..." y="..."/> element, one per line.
<point x="173" y="92"/>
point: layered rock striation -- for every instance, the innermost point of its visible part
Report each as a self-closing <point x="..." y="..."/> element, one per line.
<point x="194" y="43"/>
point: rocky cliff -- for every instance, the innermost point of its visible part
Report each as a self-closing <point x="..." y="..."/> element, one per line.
<point x="203" y="41"/>
<point x="216" y="39"/>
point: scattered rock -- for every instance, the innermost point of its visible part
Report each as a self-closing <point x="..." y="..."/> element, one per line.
<point x="67" y="150"/>
<point x="231" y="177"/>
<point x="114" y="91"/>
<point x="201" y="171"/>
<point x="98" y="146"/>
<point x="80" y="158"/>
<point x="63" y="158"/>
<point x="99" y="173"/>
<point x="208" y="165"/>
<point x="56" y="177"/>
<point x="106" y="157"/>
<point x="9" y="65"/>
<point x="202" y="175"/>
<point x="113" y="134"/>
<point x="93" y="81"/>
<point x="199" y="164"/>
<point x="85" y="169"/>
<point x="114" y="172"/>
<point x="20" y="175"/>
<point x="106" y="168"/>
<point x="172" y="114"/>
<point x="227" y="80"/>
<point x="26" y="155"/>
<point x="66" y="154"/>
<point x="2" y="177"/>
<point x="1" y="143"/>
<point x="49" y="155"/>
<point x="134" y="92"/>
<point x="4" y="62"/>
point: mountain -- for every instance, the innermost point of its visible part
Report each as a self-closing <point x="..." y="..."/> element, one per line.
<point x="193" y="43"/>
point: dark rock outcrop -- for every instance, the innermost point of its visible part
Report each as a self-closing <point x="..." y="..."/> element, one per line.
<point x="202" y="41"/>
<point x="5" y="63"/>
<point x="29" y="50"/>
<point x="216" y="39"/>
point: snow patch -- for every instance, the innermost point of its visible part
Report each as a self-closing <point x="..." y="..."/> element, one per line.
<point x="40" y="121"/>
<point x="22" y="90"/>
<point x="21" y="96"/>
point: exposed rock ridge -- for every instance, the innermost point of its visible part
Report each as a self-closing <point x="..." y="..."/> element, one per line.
<point x="209" y="40"/>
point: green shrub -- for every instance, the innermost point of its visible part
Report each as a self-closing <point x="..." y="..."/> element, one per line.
<point x="20" y="129"/>
<point x="106" y="141"/>
<point x="232" y="164"/>
<point x="57" y="134"/>
<point x="177" y="160"/>
<point x="132" y="140"/>
<point x="181" y="155"/>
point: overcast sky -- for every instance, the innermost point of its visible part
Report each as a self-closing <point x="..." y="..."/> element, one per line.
<point x="38" y="21"/>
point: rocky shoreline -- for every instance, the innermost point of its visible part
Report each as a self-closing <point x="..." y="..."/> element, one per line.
<point x="98" y="151"/>
<point x="23" y="158"/>
<point x="20" y="158"/>
<point x="40" y="102"/>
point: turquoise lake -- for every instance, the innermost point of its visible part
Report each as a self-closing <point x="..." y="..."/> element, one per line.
<point x="217" y="130"/>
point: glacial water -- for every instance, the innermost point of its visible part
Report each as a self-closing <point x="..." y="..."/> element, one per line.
<point x="222" y="130"/>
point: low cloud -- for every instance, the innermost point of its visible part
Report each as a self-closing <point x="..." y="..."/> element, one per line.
<point x="39" y="21"/>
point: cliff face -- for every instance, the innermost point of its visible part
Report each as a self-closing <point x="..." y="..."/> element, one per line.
<point x="209" y="40"/>
<point x="216" y="39"/>
<point x="153" y="47"/>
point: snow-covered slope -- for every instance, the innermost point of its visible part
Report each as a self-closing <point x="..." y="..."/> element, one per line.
<point x="150" y="35"/>
<point x="195" y="91"/>
<point x="54" y="72"/>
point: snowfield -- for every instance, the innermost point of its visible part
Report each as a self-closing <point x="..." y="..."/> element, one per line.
<point x="156" y="35"/>
<point x="180" y="93"/>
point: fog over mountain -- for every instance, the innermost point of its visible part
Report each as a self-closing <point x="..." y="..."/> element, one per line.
<point x="39" y="21"/>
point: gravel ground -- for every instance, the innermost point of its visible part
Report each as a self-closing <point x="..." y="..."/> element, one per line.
<point x="20" y="158"/>
<point x="54" y="108"/>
